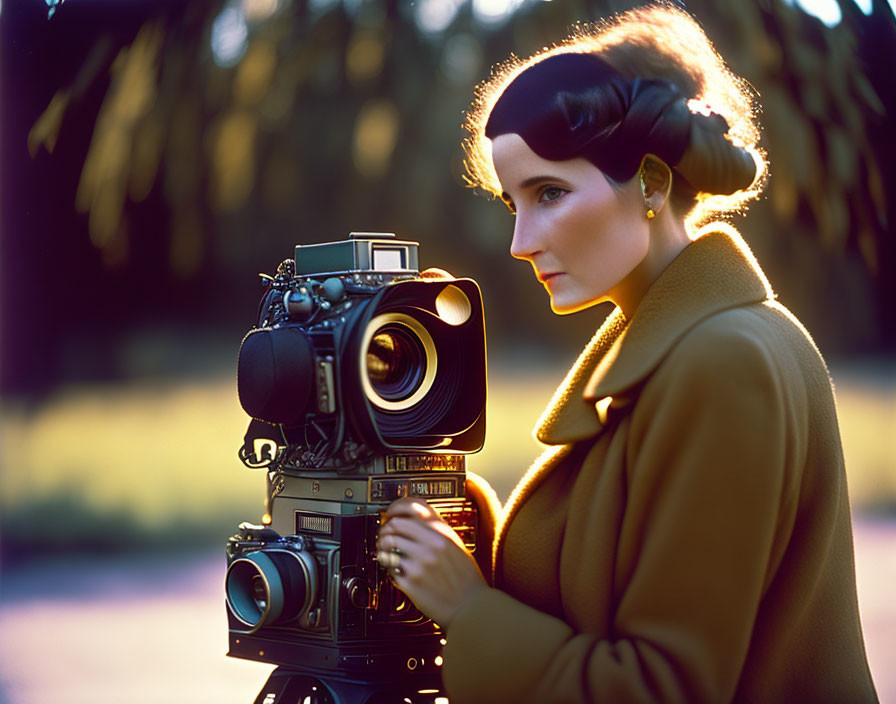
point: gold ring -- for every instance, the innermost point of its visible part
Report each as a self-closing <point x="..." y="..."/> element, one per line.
<point x="388" y="559"/>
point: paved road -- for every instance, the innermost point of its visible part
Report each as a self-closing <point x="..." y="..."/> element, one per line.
<point x="153" y="631"/>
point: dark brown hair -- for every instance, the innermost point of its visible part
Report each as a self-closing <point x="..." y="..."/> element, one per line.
<point x="657" y="51"/>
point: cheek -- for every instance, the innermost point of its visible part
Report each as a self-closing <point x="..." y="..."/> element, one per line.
<point x="629" y="246"/>
<point x="609" y="261"/>
<point x="611" y="239"/>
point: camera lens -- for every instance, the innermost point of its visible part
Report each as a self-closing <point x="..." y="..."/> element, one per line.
<point x="266" y="587"/>
<point x="259" y="592"/>
<point x="396" y="361"/>
<point x="399" y="363"/>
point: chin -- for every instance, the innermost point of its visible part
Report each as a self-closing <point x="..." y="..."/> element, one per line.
<point x="562" y="307"/>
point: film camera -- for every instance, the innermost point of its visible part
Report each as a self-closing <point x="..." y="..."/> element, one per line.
<point x="366" y="382"/>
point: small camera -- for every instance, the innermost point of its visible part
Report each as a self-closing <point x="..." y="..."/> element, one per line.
<point x="366" y="382"/>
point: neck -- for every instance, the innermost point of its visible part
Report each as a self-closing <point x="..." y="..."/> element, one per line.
<point x="668" y="237"/>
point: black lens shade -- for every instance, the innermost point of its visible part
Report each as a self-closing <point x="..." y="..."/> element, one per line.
<point x="275" y="374"/>
<point x="422" y="369"/>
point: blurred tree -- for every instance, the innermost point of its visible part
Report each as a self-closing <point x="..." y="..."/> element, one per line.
<point x="229" y="130"/>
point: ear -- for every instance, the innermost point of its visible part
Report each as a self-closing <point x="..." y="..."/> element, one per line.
<point x="656" y="183"/>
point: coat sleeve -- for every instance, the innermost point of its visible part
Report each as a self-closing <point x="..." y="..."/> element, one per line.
<point x="707" y="452"/>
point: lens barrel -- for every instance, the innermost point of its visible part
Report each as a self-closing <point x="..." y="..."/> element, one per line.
<point x="399" y="363"/>
<point x="419" y="353"/>
<point x="266" y="587"/>
<point x="396" y="363"/>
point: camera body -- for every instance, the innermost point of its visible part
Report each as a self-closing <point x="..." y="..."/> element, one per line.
<point x="323" y="603"/>
<point x="366" y="382"/>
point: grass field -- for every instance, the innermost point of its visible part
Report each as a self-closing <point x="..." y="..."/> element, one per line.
<point x="148" y="463"/>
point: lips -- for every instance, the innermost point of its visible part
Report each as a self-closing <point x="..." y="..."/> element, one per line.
<point x="544" y="278"/>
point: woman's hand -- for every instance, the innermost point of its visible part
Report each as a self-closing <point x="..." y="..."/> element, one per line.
<point x="427" y="560"/>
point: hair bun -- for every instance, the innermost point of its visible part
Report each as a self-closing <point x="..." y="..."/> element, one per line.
<point x="656" y="121"/>
<point x="713" y="164"/>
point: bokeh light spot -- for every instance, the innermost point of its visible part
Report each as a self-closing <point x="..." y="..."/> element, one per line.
<point x="494" y="11"/>
<point x="375" y="133"/>
<point x="230" y="35"/>
<point x="256" y="70"/>
<point x="434" y="16"/>
<point x="364" y="57"/>
<point x="260" y="10"/>
<point x="233" y="160"/>
<point x="828" y="11"/>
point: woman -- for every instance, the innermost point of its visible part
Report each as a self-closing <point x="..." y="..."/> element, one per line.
<point x="687" y="536"/>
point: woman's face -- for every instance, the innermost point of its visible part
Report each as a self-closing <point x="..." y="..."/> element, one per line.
<point x="583" y="237"/>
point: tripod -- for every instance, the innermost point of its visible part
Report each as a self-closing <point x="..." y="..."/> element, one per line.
<point x="288" y="686"/>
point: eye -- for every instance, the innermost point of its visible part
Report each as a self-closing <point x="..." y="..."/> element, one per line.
<point x="548" y="194"/>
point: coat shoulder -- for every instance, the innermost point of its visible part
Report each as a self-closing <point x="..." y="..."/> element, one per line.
<point x="763" y="333"/>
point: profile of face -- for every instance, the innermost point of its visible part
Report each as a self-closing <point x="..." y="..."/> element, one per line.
<point x="584" y="238"/>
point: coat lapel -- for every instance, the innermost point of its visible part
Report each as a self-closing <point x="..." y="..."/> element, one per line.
<point x="569" y="417"/>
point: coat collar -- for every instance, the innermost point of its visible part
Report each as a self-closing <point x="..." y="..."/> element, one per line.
<point x="715" y="272"/>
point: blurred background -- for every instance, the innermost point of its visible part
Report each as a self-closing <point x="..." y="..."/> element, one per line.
<point x="158" y="154"/>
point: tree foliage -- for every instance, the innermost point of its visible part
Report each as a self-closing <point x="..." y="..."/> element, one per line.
<point x="326" y="117"/>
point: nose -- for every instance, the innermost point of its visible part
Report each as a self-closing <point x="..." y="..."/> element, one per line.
<point x="524" y="244"/>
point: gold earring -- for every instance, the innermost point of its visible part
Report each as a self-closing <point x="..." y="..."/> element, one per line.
<point x="651" y="213"/>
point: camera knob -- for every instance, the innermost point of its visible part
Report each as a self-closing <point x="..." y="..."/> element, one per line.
<point x="333" y="289"/>
<point x="298" y="304"/>
<point x="358" y="592"/>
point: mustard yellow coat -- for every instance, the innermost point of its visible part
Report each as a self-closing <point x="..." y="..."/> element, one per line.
<point x="687" y="538"/>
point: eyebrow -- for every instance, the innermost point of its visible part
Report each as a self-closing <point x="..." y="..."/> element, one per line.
<point x="532" y="180"/>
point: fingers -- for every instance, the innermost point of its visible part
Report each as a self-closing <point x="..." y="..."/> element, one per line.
<point x="425" y="558"/>
<point x="435" y="273"/>
<point x="390" y="560"/>
<point x="409" y="528"/>
<point x="412" y="508"/>
<point x="399" y="555"/>
<point x="394" y="545"/>
<point x="417" y="520"/>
